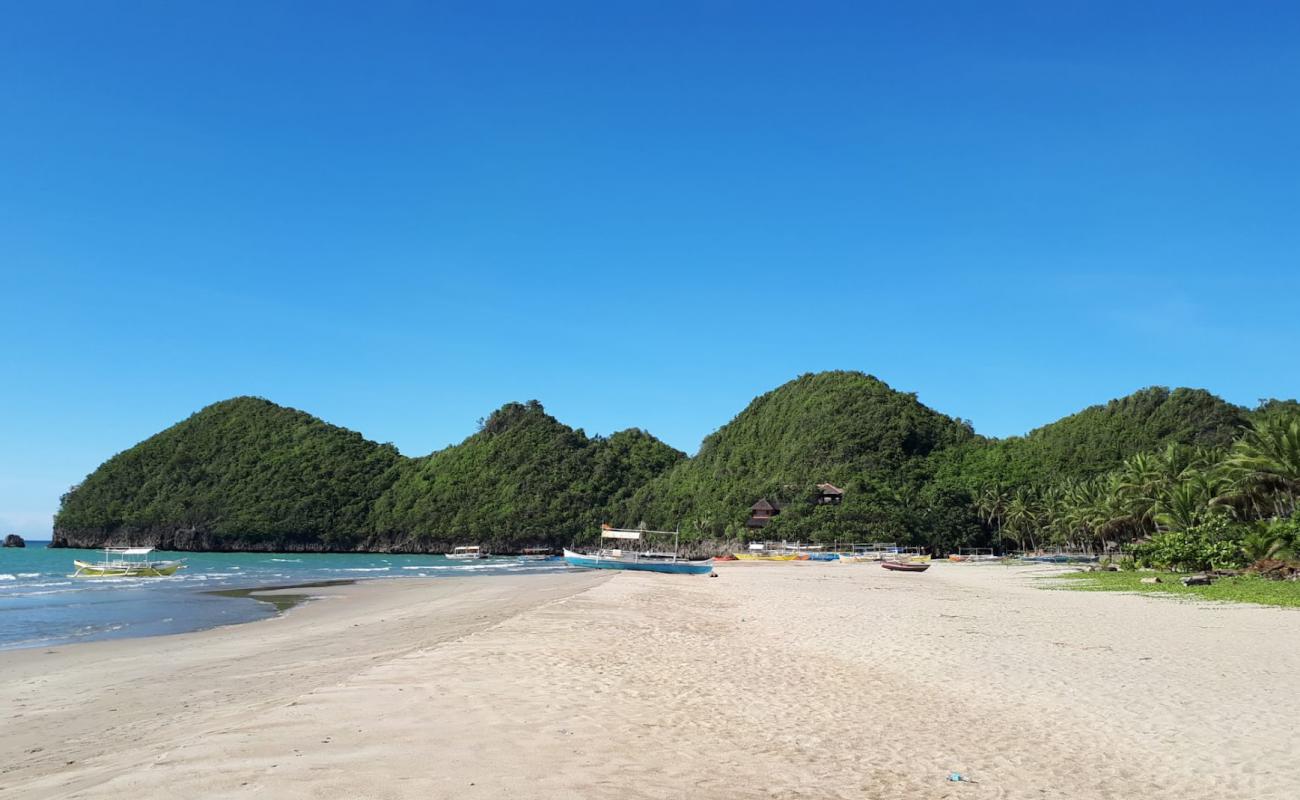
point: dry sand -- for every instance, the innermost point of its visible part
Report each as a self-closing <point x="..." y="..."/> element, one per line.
<point x="772" y="681"/>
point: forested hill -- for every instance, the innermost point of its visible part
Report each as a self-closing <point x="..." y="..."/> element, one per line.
<point x="248" y="474"/>
<point x="242" y="473"/>
<point x="1095" y="440"/>
<point x="525" y="479"/>
<point x="844" y="428"/>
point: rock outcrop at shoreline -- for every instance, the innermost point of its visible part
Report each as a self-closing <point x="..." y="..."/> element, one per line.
<point x="14" y="540"/>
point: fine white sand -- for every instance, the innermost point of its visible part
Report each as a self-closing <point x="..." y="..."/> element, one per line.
<point x="772" y="681"/>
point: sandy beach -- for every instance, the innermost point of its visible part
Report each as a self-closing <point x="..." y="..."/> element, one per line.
<point x="771" y="681"/>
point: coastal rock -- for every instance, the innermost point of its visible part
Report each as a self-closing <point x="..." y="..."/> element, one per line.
<point x="1198" y="580"/>
<point x="14" y="540"/>
<point x="1151" y="580"/>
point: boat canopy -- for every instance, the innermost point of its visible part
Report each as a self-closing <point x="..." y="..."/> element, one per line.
<point x="129" y="551"/>
<point x="619" y="533"/>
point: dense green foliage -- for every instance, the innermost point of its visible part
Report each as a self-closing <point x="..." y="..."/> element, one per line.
<point x="1186" y="507"/>
<point x="248" y="473"/>
<point x="1096" y="439"/>
<point x="844" y="428"/>
<point x="245" y="468"/>
<point x="524" y="477"/>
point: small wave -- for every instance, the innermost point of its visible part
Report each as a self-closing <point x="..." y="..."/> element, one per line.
<point x="29" y="574"/>
<point x="286" y="560"/>
<point x="5" y="576"/>
<point x="360" y="569"/>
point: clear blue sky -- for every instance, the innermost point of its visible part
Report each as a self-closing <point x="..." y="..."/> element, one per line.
<point x="398" y="216"/>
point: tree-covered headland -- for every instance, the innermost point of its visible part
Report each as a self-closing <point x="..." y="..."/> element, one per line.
<point x="1159" y="467"/>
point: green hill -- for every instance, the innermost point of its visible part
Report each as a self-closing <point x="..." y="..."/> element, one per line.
<point x="843" y="428"/>
<point x="242" y="473"/>
<point x="1095" y="440"/>
<point x="525" y="478"/>
<point x="248" y="474"/>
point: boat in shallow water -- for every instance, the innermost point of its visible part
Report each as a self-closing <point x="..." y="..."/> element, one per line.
<point x="906" y="566"/>
<point x="466" y="552"/>
<point x="127" y="562"/>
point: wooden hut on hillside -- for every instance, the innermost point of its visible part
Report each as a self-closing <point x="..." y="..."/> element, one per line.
<point x="761" y="513"/>
<point x="828" y="494"/>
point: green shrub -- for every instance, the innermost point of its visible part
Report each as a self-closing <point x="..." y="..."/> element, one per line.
<point x="1213" y="544"/>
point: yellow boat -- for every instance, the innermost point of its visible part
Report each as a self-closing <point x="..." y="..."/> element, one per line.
<point x="124" y="566"/>
<point x="765" y="556"/>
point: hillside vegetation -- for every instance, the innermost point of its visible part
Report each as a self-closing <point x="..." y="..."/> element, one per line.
<point x="248" y="474"/>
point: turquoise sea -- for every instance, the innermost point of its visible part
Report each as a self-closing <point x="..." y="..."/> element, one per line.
<point x="41" y="606"/>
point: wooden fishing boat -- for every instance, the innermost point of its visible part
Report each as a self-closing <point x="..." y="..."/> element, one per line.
<point x="466" y="552"/>
<point x="768" y="551"/>
<point x="127" y="562"/>
<point x="906" y="566"/>
<point x="637" y="560"/>
<point x="642" y="562"/>
<point x="1062" y="558"/>
<point x="536" y="554"/>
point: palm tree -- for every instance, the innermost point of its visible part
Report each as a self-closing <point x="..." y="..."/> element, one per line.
<point x="1264" y="466"/>
<point x="1023" y="517"/>
<point x="1262" y="543"/>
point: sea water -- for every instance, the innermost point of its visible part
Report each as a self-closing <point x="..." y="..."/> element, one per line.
<point x="41" y="605"/>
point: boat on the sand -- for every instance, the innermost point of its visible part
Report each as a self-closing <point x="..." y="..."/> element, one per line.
<point x="906" y="566"/>
<point x="637" y="560"/>
<point x="127" y="562"/>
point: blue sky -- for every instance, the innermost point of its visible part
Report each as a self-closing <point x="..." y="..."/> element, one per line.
<point x="399" y="216"/>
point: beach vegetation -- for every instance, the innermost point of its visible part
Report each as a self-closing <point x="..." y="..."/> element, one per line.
<point x="1236" y="589"/>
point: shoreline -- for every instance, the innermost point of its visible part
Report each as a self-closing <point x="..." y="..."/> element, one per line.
<point x="819" y="681"/>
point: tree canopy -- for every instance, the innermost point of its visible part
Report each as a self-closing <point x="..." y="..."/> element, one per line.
<point x="247" y="473"/>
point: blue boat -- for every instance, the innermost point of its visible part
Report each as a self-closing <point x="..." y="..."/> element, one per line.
<point x="823" y="556"/>
<point x="1062" y="558"/>
<point x="638" y="561"/>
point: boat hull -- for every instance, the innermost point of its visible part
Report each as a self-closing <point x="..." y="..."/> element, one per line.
<point x="669" y="567"/>
<point x="1062" y="558"/>
<point x="895" y="566"/>
<point x="161" y="570"/>
<point x="765" y="557"/>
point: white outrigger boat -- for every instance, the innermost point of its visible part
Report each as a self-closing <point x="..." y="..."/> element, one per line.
<point x="637" y="560"/>
<point x="466" y="552"/>
<point x="127" y="562"/>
